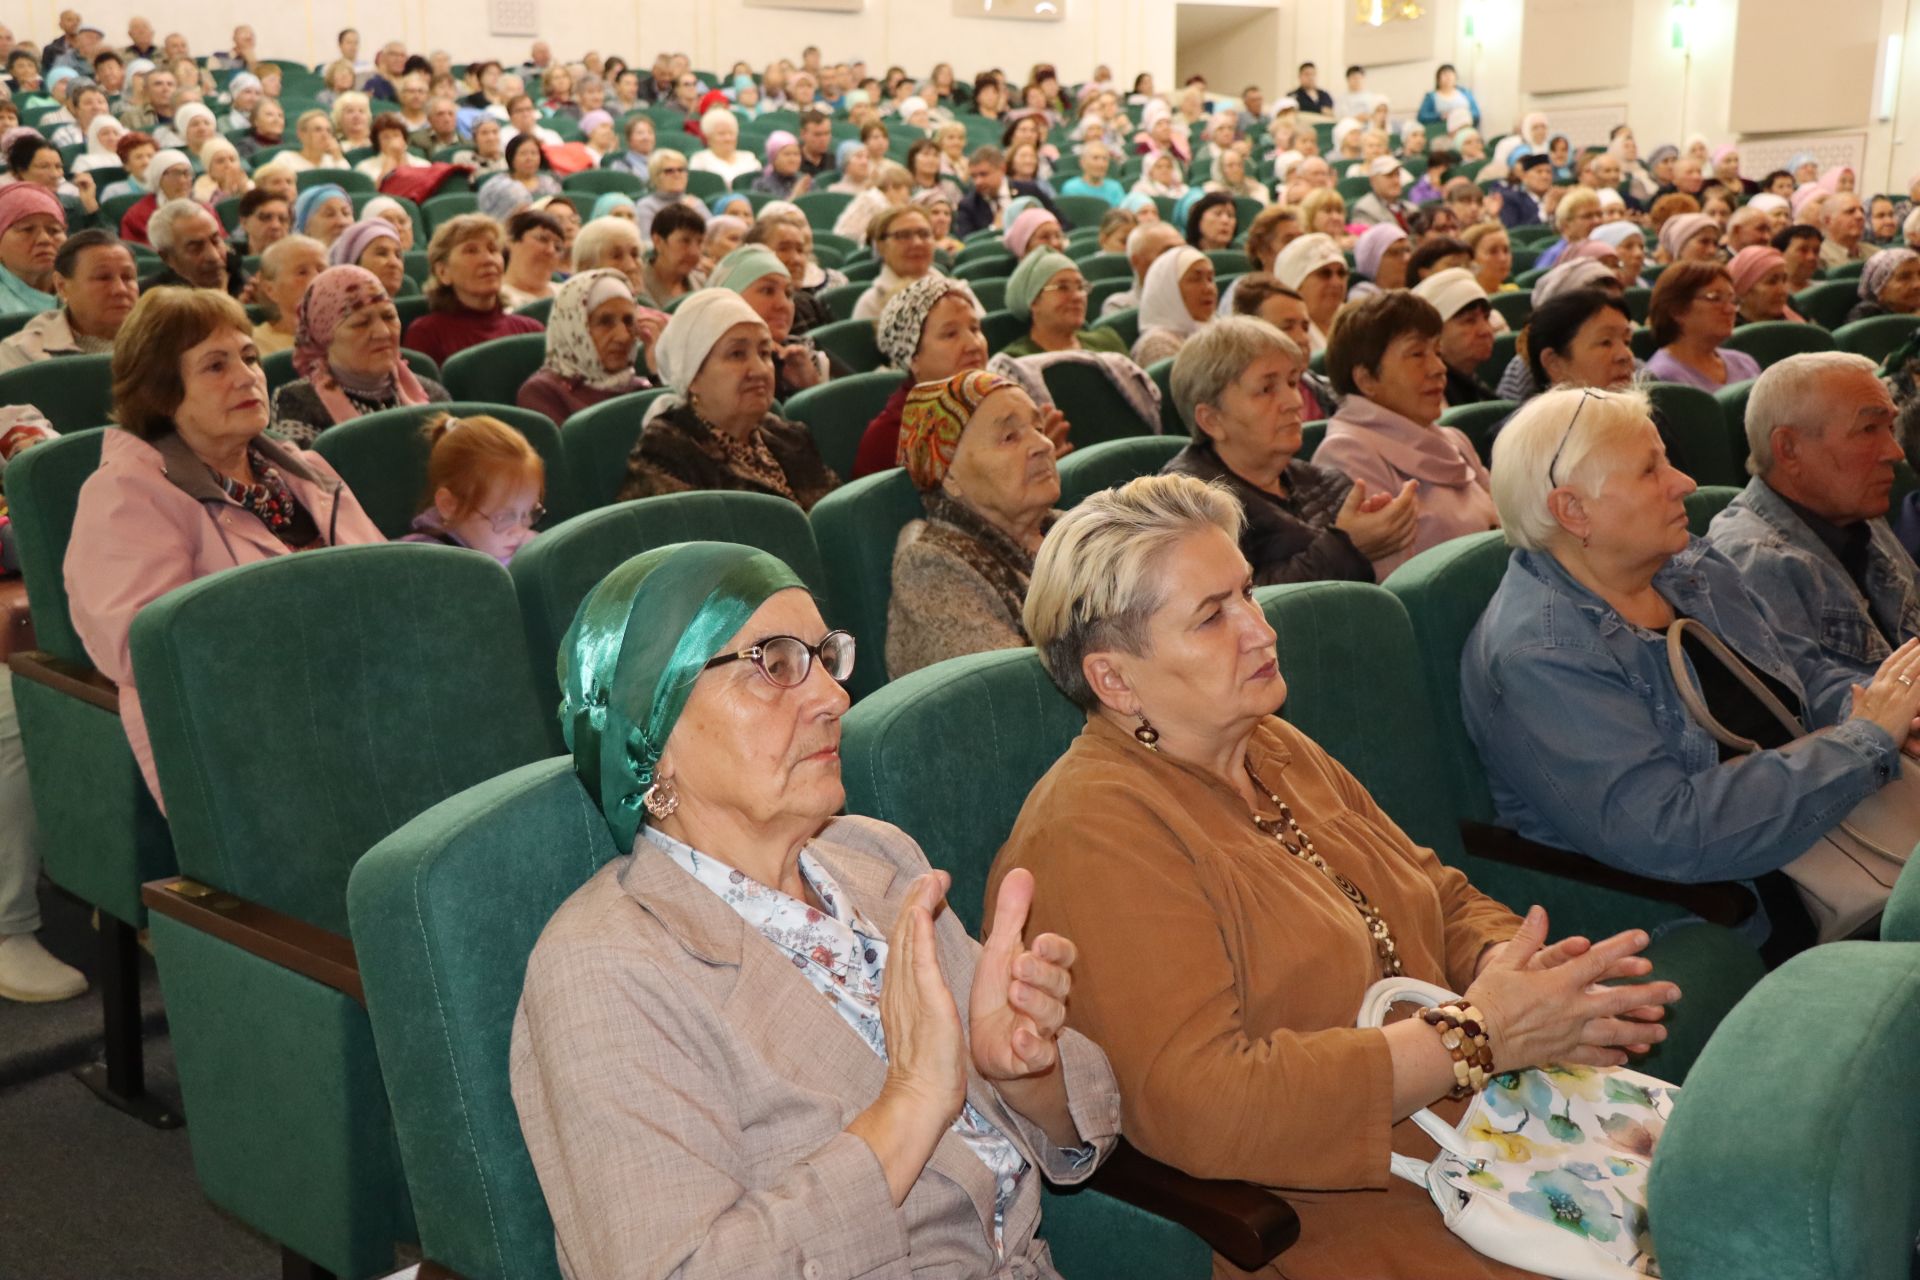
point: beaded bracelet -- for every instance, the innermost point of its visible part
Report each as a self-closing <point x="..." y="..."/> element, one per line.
<point x="1463" y="1032"/>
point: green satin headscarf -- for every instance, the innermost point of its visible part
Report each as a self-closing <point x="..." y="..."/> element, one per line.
<point x="638" y="642"/>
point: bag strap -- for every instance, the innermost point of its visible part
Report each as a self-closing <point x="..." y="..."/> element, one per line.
<point x="1380" y="997"/>
<point x="1690" y="692"/>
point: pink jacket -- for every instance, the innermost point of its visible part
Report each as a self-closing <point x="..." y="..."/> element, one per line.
<point x="153" y="518"/>
<point x="1368" y="442"/>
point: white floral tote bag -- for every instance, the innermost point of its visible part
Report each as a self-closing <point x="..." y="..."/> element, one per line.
<point x="1547" y="1171"/>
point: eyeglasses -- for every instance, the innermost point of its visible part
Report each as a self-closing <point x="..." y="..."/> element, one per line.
<point x="1067" y="288"/>
<point x="1714" y="299"/>
<point x="667" y="171"/>
<point x="909" y="236"/>
<point x="788" y="660"/>
<point x="508" y="521"/>
<point x="1568" y="435"/>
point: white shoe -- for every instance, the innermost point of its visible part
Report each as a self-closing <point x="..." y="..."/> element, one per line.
<point x="30" y="974"/>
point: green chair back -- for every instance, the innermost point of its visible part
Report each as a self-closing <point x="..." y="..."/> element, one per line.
<point x="1827" y="1107"/>
<point x="856" y="527"/>
<point x="845" y="246"/>
<point x="1106" y="266"/>
<point x="836" y="413"/>
<point x="553" y="573"/>
<point x="1771" y="341"/>
<point x="73" y="392"/>
<point x="859" y="268"/>
<point x="1706" y="502"/>
<point x="1100" y="290"/>
<point x="1479" y="421"/>
<point x="348" y="180"/>
<point x="1826" y="302"/>
<point x="383" y="458"/>
<point x="1104" y="466"/>
<point x="1229" y="262"/>
<point x="1877" y="336"/>
<point x="599" y="181"/>
<point x="1352" y="189"/>
<point x="1643" y="342"/>
<point x="1515" y="307"/>
<point x="841" y="299"/>
<point x="43" y="492"/>
<point x="449" y="204"/>
<point x="823" y="209"/>
<point x="445" y="913"/>
<point x="539" y="309"/>
<point x="492" y="372"/>
<point x="1095" y="409"/>
<point x="1696" y="429"/>
<point x="1161" y="371"/>
<point x="1505" y="345"/>
<point x="1846" y="270"/>
<point x="1732" y="400"/>
<point x="1002" y="329"/>
<point x="597" y="442"/>
<point x="114" y="208"/>
<point x="705" y="185"/>
<point x="1081" y="211"/>
<point x="991" y="294"/>
<point x="993" y="266"/>
<point x="1639" y="300"/>
<point x="852" y="342"/>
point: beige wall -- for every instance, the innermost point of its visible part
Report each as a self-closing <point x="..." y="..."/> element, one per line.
<point x="1240" y="46"/>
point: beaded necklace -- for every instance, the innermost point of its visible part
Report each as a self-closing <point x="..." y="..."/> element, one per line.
<point x="268" y="497"/>
<point x="1377" y="927"/>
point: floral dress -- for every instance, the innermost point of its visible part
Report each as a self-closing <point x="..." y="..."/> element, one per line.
<point x="844" y="957"/>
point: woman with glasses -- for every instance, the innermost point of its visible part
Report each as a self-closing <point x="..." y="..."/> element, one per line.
<point x="682" y="1067"/>
<point x="1692" y="312"/>
<point x="1048" y="291"/>
<point x="346" y="349"/>
<point x="717" y="429"/>
<point x="668" y="177"/>
<point x="902" y="237"/>
<point x="977" y="449"/>
<point x="486" y="482"/>
<point x="1569" y="693"/>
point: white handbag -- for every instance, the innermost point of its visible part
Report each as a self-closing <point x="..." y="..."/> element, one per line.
<point x="1845" y="878"/>
<point x="1547" y="1171"/>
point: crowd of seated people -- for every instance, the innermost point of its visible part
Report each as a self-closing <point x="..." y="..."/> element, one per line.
<point x="746" y="250"/>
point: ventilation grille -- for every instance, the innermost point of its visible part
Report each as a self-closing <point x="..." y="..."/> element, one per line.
<point x="513" y="17"/>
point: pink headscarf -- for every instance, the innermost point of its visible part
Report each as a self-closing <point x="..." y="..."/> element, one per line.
<point x="1681" y="228"/>
<point x="1830" y="180"/>
<point x="25" y="199"/>
<point x="1805" y="194"/>
<point x="1598" y="250"/>
<point x="1751" y="263"/>
<point x="1020" y="234"/>
<point x="335" y="294"/>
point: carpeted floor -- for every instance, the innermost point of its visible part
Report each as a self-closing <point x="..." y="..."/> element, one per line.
<point x="86" y="1192"/>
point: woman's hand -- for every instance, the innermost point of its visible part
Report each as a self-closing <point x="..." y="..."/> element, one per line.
<point x="1544" y="1005"/>
<point x="1380" y="526"/>
<point x="1892" y="699"/>
<point x="797" y="363"/>
<point x="1019" y="998"/>
<point x="83" y="184"/>
<point x="804" y="185"/>
<point x="1053" y="425"/>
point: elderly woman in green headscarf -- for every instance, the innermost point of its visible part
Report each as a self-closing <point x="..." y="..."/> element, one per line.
<point x="691" y="1099"/>
<point x="977" y="448"/>
<point x="1048" y="291"/>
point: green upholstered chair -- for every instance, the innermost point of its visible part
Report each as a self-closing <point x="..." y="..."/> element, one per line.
<point x="383" y="458"/>
<point x="491" y="373"/>
<point x="1826" y="302"/>
<point x="1161" y="371"/>
<point x="856" y="527"/>
<point x="1877" y="336"/>
<point x="1504" y="347"/>
<point x="1795" y="1154"/>
<point x="839" y="300"/>
<point x="1696" y="430"/>
<point x="446" y="206"/>
<point x="1095" y="409"/>
<point x="1732" y="399"/>
<point x="823" y="209"/>
<point x="1103" y="466"/>
<point x="852" y="341"/>
<point x="1229" y="262"/>
<point x="73" y="392"/>
<point x="1706" y="502"/>
<point x="992" y="723"/>
<point x="994" y="265"/>
<point x="600" y="181"/>
<point x="1639" y="300"/>
<point x="1771" y="341"/>
<point x="100" y="834"/>
<point x="386" y="678"/>
<point x="991" y="294"/>
<point x="445" y="912"/>
<point x="1082" y="211"/>
<point x="1324" y="628"/>
<point x="1106" y="266"/>
<point x="836" y="413"/>
<point x="554" y="572"/>
<point x="596" y="442"/>
<point x="1002" y="329"/>
<point x="1516" y="306"/>
<point x="1479" y="422"/>
<point x="539" y="309"/>
<point x="1125" y="322"/>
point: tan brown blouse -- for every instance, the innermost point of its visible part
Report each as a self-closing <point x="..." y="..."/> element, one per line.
<point x="1222" y="975"/>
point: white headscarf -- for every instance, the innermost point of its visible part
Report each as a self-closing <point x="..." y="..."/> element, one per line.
<point x="1305" y="255"/>
<point x="1161" y="306"/>
<point x="163" y="161"/>
<point x="696" y="325"/>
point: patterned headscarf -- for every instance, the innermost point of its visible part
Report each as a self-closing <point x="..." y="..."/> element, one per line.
<point x="335" y="294"/>
<point x="934" y="416"/>
<point x="906" y="312"/>
<point x="630" y="659"/>
<point x="570" y="349"/>
<point x="306" y="202"/>
<point x="1879" y="269"/>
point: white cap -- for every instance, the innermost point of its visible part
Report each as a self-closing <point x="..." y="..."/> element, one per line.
<point x="1451" y="290"/>
<point x="1381" y="166"/>
<point x="1305" y="255"/>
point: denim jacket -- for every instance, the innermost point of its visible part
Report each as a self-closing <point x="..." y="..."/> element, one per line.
<point x="1588" y="747"/>
<point x="1808" y="591"/>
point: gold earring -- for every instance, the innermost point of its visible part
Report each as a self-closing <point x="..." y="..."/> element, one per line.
<point x="1146" y="735"/>
<point x="661" y="800"/>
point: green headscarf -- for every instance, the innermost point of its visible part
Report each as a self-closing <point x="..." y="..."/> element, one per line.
<point x="1032" y="275"/>
<point x="638" y="642"/>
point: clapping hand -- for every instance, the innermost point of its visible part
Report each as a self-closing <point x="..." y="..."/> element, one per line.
<point x="1019" y="992"/>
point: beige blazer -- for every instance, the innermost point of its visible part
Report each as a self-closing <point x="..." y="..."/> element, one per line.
<point x="684" y="1093"/>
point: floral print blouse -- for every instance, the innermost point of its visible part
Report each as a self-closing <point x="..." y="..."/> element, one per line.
<point x="844" y="956"/>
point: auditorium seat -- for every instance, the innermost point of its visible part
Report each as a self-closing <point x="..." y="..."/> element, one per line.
<point x="492" y="372"/>
<point x="1696" y="431"/>
<point x="1479" y="421"/>
<point x="1876" y="337"/>
<point x="1114" y="462"/>
<point x="1095" y="409"/>
<point x="1826" y="302"/>
<point x="1771" y="341"/>
<point x="856" y="527"/>
<point x="597" y="441"/>
<point x="852" y="342"/>
<point x="72" y="392"/>
<point x="836" y="413"/>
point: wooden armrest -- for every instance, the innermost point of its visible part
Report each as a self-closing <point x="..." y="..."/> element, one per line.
<point x="1722" y="902"/>
<point x="431" y="1270"/>
<point x="274" y="936"/>
<point x="70" y="678"/>
<point x="1247" y="1225"/>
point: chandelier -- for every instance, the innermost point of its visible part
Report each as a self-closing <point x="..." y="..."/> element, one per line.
<point x="1378" y="13"/>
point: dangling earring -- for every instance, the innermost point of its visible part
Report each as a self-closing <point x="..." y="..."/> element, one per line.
<point x="1146" y="735"/>
<point x="661" y="800"/>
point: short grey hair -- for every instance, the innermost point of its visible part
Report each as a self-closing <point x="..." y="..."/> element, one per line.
<point x="1096" y="583"/>
<point x="1214" y="358"/>
<point x="280" y="250"/>
<point x="597" y="236"/>
<point x="1791" y="393"/>
<point x="160" y="226"/>
<point x="1525" y="448"/>
<point x="718" y="116"/>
